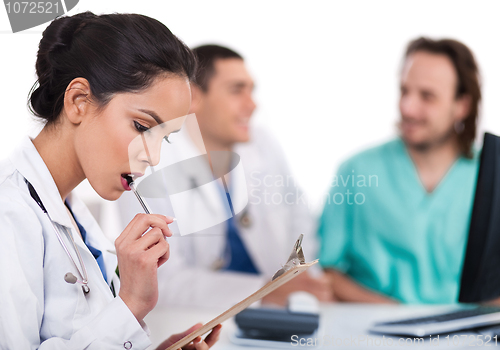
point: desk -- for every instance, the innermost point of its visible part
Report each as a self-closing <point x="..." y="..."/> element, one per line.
<point x="341" y="323"/>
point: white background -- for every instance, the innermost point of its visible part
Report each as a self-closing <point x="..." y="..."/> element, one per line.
<point x="326" y="71"/>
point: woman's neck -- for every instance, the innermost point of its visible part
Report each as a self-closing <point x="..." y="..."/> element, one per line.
<point x="58" y="153"/>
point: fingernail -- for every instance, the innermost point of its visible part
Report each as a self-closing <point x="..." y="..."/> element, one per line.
<point x="197" y="340"/>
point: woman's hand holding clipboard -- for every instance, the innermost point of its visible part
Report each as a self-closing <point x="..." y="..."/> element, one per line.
<point x="294" y="266"/>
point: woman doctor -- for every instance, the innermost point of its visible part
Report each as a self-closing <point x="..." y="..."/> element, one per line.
<point x="102" y="81"/>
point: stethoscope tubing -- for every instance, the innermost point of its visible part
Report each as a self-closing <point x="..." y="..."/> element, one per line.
<point x="83" y="274"/>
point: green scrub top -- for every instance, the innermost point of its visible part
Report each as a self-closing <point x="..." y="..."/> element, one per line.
<point x="381" y="227"/>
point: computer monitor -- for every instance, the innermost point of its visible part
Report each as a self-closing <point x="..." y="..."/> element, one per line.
<point x="481" y="268"/>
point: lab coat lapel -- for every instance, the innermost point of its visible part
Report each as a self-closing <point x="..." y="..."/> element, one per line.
<point x="212" y="197"/>
<point x="29" y="163"/>
<point x="251" y="235"/>
<point x="265" y="233"/>
<point x="186" y="150"/>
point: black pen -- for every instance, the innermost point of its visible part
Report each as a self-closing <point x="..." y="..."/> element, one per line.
<point x="131" y="184"/>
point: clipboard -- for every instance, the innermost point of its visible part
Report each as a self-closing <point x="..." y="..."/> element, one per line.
<point x="262" y="292"/>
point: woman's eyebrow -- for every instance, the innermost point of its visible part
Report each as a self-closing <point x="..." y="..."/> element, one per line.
<point x="152" y="115"/>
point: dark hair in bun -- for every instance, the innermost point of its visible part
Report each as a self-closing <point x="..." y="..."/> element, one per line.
<point x="115" y="53"/>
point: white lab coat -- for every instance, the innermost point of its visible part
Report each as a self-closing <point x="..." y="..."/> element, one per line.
<point x="190" y="277"/>
<point x="38" y="309"/>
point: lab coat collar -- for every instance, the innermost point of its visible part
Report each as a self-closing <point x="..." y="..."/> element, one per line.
<point x="187" y="150"/>
<point x="251" y="163"/>
<point x="30" y="164"/>
<point x="239" y="193"/>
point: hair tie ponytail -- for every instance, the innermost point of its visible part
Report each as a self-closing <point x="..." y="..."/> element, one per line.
<point x="57" y="38"/>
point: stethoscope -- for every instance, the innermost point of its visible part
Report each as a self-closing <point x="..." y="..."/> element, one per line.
<point x="68" y="277"/>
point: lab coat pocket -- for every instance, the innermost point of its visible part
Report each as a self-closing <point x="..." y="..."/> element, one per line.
<point x="82" y="310"/>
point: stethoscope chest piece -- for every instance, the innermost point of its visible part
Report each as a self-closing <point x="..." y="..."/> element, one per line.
<point x="71" y="279"/>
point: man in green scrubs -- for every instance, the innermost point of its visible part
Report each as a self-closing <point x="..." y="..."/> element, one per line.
<point x="395" y="224"/>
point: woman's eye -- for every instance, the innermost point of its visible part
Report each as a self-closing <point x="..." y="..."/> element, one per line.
<point x="139" y="127"/>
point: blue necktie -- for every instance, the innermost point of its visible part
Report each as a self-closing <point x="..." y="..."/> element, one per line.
<point x="236" y="254"/>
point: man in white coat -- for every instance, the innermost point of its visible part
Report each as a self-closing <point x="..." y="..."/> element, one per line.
<point x="234" y="258"/>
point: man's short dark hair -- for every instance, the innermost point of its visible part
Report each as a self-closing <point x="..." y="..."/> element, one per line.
<point x="207" y="55"/>
<point x="468" y="81"/>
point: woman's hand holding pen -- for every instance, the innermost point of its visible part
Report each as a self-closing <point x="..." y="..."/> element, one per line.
<point x="140" y="252"/>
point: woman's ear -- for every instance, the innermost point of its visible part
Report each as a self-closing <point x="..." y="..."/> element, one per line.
<point x="77" y="101"/>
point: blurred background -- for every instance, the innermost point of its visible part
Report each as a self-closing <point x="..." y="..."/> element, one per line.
<point x="326" y="72"/>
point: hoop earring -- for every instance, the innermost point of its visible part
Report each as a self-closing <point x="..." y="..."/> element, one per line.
<point x="459" y="127"/>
